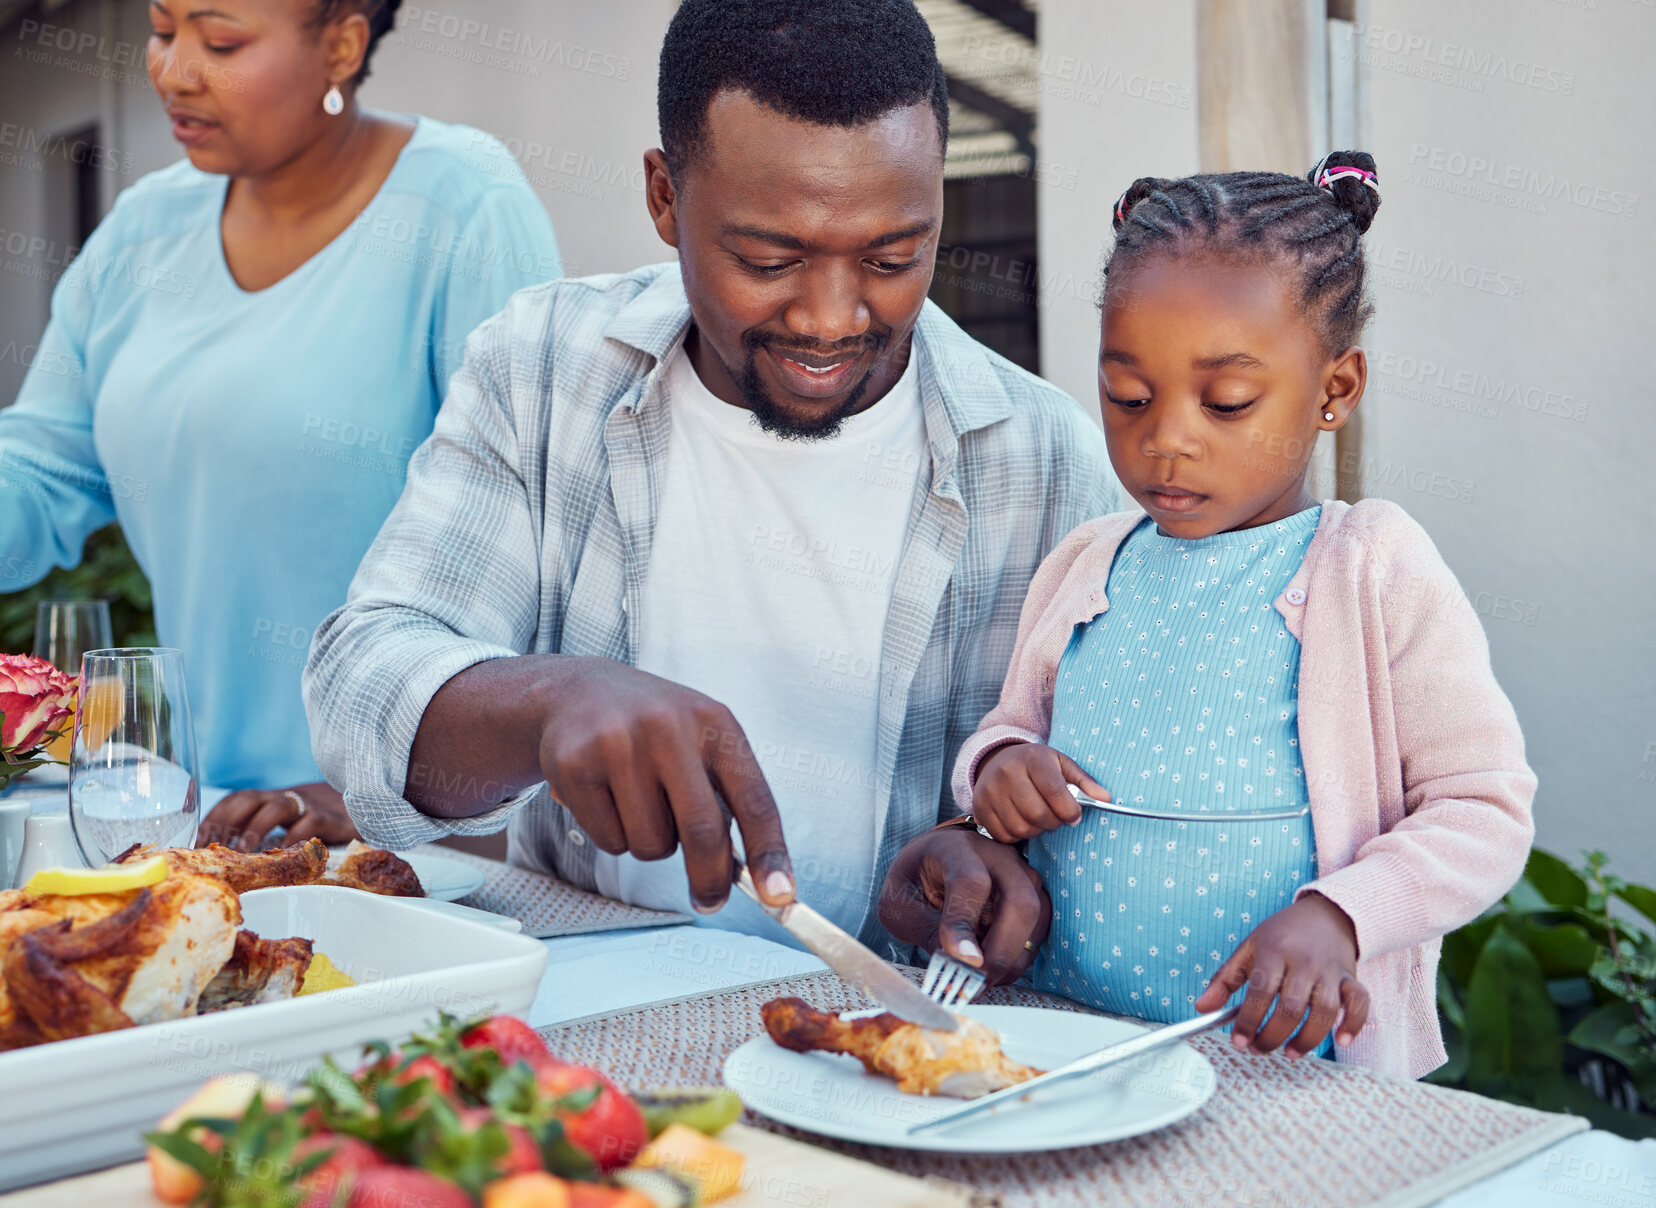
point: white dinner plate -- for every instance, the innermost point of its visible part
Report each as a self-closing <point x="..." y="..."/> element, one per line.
<point x="831" y="1094"/>
<point x="454" y="910"/>
<point x="444" y="879"/>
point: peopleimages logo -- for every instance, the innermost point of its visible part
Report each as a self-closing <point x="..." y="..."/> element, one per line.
<point x="26" y="141"/>
<point x="1422" y="272"/>
<point x="1483" y="177"/>
<point x="1473" y="390"/>
<point x="1066" y="77"/>
<point x="1474" y="64"/>
<point x="497" y="46"/>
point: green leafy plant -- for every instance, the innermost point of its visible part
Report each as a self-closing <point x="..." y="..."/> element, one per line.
<point x="1549" y="981"/>
<point x="107" y="570"/>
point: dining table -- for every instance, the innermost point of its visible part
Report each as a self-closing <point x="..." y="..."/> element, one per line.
<point x="656" y="998"/>
<point x="611" y="973"/>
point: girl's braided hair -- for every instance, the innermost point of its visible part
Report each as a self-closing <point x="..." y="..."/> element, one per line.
<point x="1314" y="223"/>
<point x="381" y="14"/>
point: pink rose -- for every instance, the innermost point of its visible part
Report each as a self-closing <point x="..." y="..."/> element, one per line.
<point x="35" y="697"/>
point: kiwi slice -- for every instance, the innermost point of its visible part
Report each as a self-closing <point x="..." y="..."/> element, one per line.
<point x="662" y="1189"/>
<point x="707" y="1109"/>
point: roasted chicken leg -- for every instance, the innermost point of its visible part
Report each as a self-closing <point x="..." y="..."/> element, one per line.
<point x="258" y="970"/>
<point x="369" y="868"/>
<point x="303" y="864"/>
<point x="964" y="1064"/>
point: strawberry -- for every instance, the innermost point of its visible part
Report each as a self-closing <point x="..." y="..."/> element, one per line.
<point x="404" y="1187"/>
<point x="403" y="1069"/>
<point x="522" y="1156"/>
<point x="348" y="1159"/>
<point x="513" y="1039"/>
<point x="609" y="1129"/>
<point x="427" y="1066"/>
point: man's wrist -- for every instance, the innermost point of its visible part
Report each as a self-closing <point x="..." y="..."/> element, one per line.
<point x="966" y="822"/>
<point x="970" y="824"/>
<point x="492" y="714"/>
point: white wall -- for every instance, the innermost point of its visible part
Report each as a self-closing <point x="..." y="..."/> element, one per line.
<point x="82" y="65"/>
<point x="1546" y="518"/>
<point x="568" y="85"/>
<point x="1118" y="101"/>
<point x="1550" y="526"/>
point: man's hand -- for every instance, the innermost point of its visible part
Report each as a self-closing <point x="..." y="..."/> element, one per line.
<point x="642" y="762"/>
<point x="245" y="818"/>
<point x="1304" y="958"/>
<point x="978" y="900"/>
<point x="1022" y="789"/>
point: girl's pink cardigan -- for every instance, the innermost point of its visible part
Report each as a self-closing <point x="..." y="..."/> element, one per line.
<point x="1414" y="761"/>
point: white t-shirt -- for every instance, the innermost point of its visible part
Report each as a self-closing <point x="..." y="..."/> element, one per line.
<point x="769" y="581"/>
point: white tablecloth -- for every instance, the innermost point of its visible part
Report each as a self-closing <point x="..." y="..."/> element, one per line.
<point x="52" y="793"/>
<point x="1591" y="1168"/>
<point x="620" y="970"/>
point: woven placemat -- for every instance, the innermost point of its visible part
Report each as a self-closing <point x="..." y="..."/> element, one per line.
<point x="548" y="907"/>
<point x="1307" y="1134"/>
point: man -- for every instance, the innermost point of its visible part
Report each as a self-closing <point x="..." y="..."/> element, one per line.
<point x="749" y="531"/>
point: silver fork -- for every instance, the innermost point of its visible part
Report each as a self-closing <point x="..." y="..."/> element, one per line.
<point x="949" y="983"/>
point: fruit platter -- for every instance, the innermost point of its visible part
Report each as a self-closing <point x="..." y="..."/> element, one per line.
<point x="465" y="1115"/>
<point x="480" y="1114"/>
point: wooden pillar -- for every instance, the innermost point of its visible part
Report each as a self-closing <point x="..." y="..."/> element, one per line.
<point x="1255" y="88"/>
<point x="1268" y="94"/>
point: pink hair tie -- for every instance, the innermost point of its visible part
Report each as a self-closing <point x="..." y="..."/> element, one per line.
<point x="1121" y="206"/>
<point x="1327" y="177"/>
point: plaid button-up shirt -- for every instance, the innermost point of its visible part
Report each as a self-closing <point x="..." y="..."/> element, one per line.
<point x="527" y="522"/>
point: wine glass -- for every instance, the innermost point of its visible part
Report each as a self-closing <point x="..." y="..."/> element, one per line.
<point x="132" y="770"/>
<point x="64" y="631"/>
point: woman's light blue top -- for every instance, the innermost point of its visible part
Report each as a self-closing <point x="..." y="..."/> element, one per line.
<point x="251" y="444"/>
<point x="1181" y="700"/>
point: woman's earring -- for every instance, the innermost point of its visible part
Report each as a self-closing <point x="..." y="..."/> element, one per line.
<point x="333" y="101"/>
<point x="1329" y="416"/>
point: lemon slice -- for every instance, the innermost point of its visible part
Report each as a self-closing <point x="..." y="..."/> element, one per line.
<point x="112" y="878"/>
<point x="322" y="975"/>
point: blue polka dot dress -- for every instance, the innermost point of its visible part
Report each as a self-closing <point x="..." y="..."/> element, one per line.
<point x="1181" y="700"/>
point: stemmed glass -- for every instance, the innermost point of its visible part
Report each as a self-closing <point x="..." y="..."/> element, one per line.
<point x="132" y="770"/>
<point x="64" y="631"/>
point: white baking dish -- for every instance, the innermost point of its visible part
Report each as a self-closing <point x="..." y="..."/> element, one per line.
<point x="77" y="1105"/>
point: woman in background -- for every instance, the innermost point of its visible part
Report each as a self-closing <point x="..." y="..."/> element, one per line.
<point x="246" y="352"/>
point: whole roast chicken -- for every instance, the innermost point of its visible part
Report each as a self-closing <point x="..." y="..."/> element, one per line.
<point x="80" y="964"/>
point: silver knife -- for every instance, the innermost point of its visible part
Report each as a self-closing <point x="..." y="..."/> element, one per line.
<point x="1124" y="1050"/>
<point x="854" y="962"/>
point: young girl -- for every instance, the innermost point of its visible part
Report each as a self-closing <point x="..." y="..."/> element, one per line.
<point x="1311" y="773"/>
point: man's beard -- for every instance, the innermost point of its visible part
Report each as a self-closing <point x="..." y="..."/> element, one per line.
<point x="780" y="423"/>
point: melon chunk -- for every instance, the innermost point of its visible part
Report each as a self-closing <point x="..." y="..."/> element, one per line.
<point x="226" y="1096"/>
<point x="713" y="1167"/>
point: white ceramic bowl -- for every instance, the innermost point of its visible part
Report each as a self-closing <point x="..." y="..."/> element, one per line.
<point x="78" y="1105"/>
